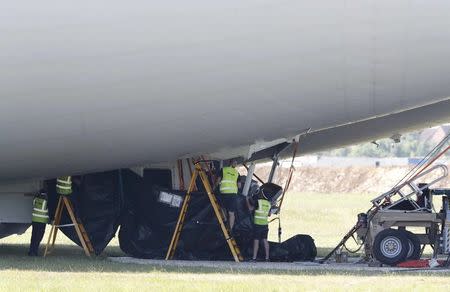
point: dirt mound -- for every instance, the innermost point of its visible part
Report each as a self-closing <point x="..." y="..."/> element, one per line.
<point x="355" y="179"/>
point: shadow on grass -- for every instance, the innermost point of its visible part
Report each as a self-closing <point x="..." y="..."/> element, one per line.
<point x="69" y="258"/>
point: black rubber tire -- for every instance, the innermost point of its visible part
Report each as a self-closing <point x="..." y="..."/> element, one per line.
<point x="414" y="244"/>
<point x="391" y="246"/>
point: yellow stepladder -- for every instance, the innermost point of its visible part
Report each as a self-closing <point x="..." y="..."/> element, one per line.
<point x="199" y="171"/>
<point x="64" y="202"/>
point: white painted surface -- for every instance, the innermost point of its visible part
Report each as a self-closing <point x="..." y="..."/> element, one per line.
<point x="15" y="208"/>
<point x="95" y="85"/>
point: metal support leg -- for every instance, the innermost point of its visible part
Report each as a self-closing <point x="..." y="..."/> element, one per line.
<point x="274" y="168"/>
<point x="248" y="180"/>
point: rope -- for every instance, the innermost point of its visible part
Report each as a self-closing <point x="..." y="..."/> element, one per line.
<point x="291" y="174"/>
<point x="180" y="174"/>
<point x="208" y="169"/>
<point x="433" y="160"/>
<point x="190" y="162"/>
<point x="360" y="246"/>
<point x="257" y="177"/>
<point x="65" y="225"/>
<point x="288" y="182"/>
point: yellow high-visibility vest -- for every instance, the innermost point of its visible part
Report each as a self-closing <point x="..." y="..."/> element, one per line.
<point x="228" y="184"/>
<point x="40" y="211"/>
<point x="64" y="185"/>
<point x="262" y="213"/>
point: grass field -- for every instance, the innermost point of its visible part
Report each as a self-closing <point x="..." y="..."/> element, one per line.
<point x="326" y="217"/>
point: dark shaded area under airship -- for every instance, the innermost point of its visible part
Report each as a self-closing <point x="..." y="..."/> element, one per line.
<point x="146" y="211"/>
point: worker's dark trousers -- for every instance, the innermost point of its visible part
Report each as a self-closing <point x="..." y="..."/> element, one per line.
<point x="36" y="237"/>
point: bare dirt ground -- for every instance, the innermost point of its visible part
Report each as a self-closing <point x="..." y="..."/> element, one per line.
<point x="354" y="179"/>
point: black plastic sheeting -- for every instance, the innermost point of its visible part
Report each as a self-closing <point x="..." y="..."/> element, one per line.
<point x="7" y="229"/>
<point x="202" y="238"/>
<point x="98" y="203"/>
<point x="105" y="201"/>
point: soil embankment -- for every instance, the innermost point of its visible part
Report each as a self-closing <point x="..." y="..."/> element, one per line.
<point x="354" y="179"/>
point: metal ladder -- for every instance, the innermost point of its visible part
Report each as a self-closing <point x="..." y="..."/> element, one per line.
<point x="64" y="202"/>
<point x="403" y="194"/>
<point x="212" y="198"/>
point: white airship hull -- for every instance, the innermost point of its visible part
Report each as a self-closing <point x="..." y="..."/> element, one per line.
<point x="97" y="85"/>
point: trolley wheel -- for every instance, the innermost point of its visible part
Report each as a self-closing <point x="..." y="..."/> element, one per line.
<point x="391" y="246"/>
<point x="414" y="246"/>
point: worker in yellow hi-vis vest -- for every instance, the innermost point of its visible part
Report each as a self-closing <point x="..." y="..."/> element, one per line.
<point x="64" y="185"/>
<point x="261" y="207"/>
<point x="39" y="219"/>
<point x="228" y="180"/>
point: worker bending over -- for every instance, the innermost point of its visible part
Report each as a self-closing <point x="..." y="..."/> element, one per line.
<point x="39" y="219"/>
<point x="261" y="207"/>
<point x="228" y="179"/>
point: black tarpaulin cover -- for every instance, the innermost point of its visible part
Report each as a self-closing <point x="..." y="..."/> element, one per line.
<point x="98" y="203"/>
<point x="147" y="215"/>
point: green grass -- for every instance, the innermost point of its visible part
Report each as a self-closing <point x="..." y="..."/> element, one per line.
<point x="326" y="217"/>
